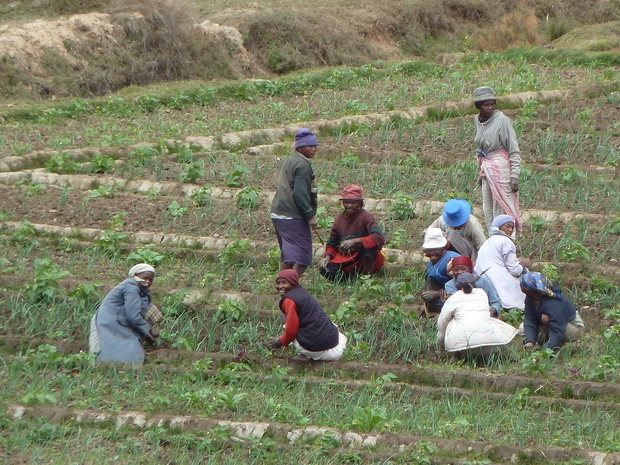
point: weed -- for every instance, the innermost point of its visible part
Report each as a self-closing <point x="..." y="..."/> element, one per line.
<point x="46" y="277"/>
<point x="573" y="252"/>
<point x="327" y="187"/>
<point x="247" y="198"/>
<point x="538" y="363"/>
<point x="141" y="156"/>
<point x="349" y="160"/>
<point x="399" y="239"/>
<point x="284" y="412"/>
<point x="4" y="216"/>
<point x="117" y="222"/>
<point x="146" y="255"/>
<point x="324" y="222"/>
<point x="571" y="175"/>
<point x="235" y="177"/>
<point x="173" y="303"/>
<point x="24" y="235"/>
<point x="537" y="223"/>
<point x="513" y="317"/>
<point x="551" y="272"/>
<point x="201" y="197"/>
<point x="192" y="172"/>
<point x="231" y="399"/>
<point x="175" y="210"/>
<point x="229" y="310"/>
<point x="86" y="295"/>
<point x="606" y="365"/>
<point x="232" y="251"/>
<point x="103" y="191"/>
<point x="109" y="242"/>
<point x="402" y="207"/>
<point x="369" y="419"/>
<point x="102" y="163"/>
<point x="62" y="163"/>
<point x="39" y="397"/>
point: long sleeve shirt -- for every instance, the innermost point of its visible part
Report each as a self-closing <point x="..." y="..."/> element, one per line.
<point x="497" y="133"/>
<point x="362" y="225"/>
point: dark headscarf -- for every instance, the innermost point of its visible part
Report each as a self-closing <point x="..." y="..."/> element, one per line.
<point x="537" y="282"/>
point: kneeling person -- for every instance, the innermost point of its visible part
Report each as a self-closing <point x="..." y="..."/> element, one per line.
<point x="307" y="324"/>
<point x="355" y="241"/>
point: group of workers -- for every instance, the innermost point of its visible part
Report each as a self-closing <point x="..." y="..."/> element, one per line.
<point x="471" y="280"/>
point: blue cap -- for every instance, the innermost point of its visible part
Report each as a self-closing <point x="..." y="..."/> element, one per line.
<point x="456" y="212"/>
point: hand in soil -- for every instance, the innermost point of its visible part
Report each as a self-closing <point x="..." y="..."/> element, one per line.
<point x="274" y="343"/>
<point x="154" y="332"/>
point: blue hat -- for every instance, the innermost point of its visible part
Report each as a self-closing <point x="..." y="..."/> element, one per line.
<point x="456" y="212"/>
<point x="304" y="138"/>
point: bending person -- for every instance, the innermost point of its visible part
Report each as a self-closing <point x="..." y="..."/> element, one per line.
<point x="462" y="229"/>
<point x="436" y="249"/>
<point x="307" y="325"/>
<point x="499" y="158"/>
<point x="355" y="241"/>
<point x="118" y="328"/>
<point x="498" y="259"/>
<point x="465" y="326"/>
<point x="459" y="265"/>
<point x="549" y="317"/>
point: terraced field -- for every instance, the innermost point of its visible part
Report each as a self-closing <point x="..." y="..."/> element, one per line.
<point x="90" y="188"/>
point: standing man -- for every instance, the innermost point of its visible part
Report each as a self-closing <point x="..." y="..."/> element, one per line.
<point x="293" y="208"/>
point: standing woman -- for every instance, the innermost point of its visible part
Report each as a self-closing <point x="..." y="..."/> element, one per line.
<point x="118" y="328"/>
<point x="499" y="158"/>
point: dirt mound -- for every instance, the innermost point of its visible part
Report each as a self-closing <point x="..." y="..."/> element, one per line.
<point x="594" y="38"/>
<point x="27" y="44"/>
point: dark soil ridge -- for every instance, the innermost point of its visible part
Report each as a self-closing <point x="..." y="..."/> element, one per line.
<point x="409" y="374"/>
<point x="248" y="138"/>
<point x="287" y="433"/>
<point x="85" y="182"/>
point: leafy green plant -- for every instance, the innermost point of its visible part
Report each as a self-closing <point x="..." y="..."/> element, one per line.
<point x="324" y="222"/>
<point x="201" y="197"/>
<point x="175" y="210"/>
<point x="284" y="412"/>
<point x="46" y="277"/>
<point x="114" y="140"/>
<point x="232" y="250"/>
<point x="613" y="227"/>
<point x="551" y="272"/>
<point x="369" y="418"/>
<point x="539" y="362"/>
<point x="573" y="252"/>
<point x="24" y="234"/>
<point x="411" y="161"/>
<point x="103" y="191"/>
<point x="606" y="366"/>
<point x="537" y="223"/>
<point x="399" y="239"/>
<point x="192" y="172"/>
<point x="349" y="160"/>
<point x="141" y="156"/>
<point x="173" y="304"/>
<point x="146" y="255"/>
<point x="572" y="175"/>
<point x="513" y="317"/>
<point x="346" y="312"/>
<point x="39" y="397"/>
<point x="248" y="197"/>
<point x="62" y="163"/>
<point x="102" y="163"/>
<point x="327" y="187"/>
<point x="86" y="295"/>
<point x="234" y="178"/>
<point x="4" y="216"/>
<point x="109" y="242"/>
<point x="229" y="310"/>
<point x="232" y="399"/>
<point x="402" y="207"/>
<point x="33" y="190"/>
<point x="117" y="221"/>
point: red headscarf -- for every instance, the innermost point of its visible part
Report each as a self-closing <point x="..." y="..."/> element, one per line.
<point x="461" y="260"/>
<point x="290" y="275"/>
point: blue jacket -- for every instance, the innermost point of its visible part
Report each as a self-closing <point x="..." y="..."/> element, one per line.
<point x="486" y="285"/>
<point x="560" y="311"/>
<point x="121" y="326"/>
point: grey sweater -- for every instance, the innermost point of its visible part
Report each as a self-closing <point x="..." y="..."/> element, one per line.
<point x="296" y="195"/>
<point x="497" y="133"/>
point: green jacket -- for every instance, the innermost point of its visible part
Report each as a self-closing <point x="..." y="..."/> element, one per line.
<point x="296" y="190"/>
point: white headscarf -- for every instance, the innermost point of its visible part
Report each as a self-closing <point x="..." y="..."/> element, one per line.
<point x="141" y="268"/>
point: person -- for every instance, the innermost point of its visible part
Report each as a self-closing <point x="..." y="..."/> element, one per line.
<point x="307" y="325"/>
<point x="549" y="317"/>
<point x="462" y="264"/>
<point x="436" y="249"/>
<point x="498" y="257"/>
<point x="499" y="158"/>
<point x="294" y="205"/>
<point x="465" y="327"/>
<point x="355" y="240"/>
<point x="118" y="327"/>
<point x="463" y="230"/>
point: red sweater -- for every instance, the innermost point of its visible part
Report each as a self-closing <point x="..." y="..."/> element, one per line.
<point x="362" y="225"/>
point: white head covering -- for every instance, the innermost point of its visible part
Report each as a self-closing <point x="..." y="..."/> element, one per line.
<point x="434" y="239"/>
<point x="141" y="268"/>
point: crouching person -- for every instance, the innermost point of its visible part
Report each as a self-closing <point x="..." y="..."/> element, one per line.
<point x="307" y="325"/>
<point x="549" y="317"/>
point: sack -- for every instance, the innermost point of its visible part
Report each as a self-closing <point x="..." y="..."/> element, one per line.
<point x="153" y="315"/>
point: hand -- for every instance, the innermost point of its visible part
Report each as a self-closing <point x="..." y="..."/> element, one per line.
<point x="349" y="244"/>
<point x="479" y="180"/>
<point x="313" y="222"/>
<point x="525" y="262"/>
<point x="528" y="346"/>
<point x="325" y="261"/>
<point x="274" y="343"/>
<point x="514" y="184"/>
<point x="154" y="332"/>
<point x="149" y="339"/>
<point x="430" y="295"/>
<point x="493" y="312"/>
